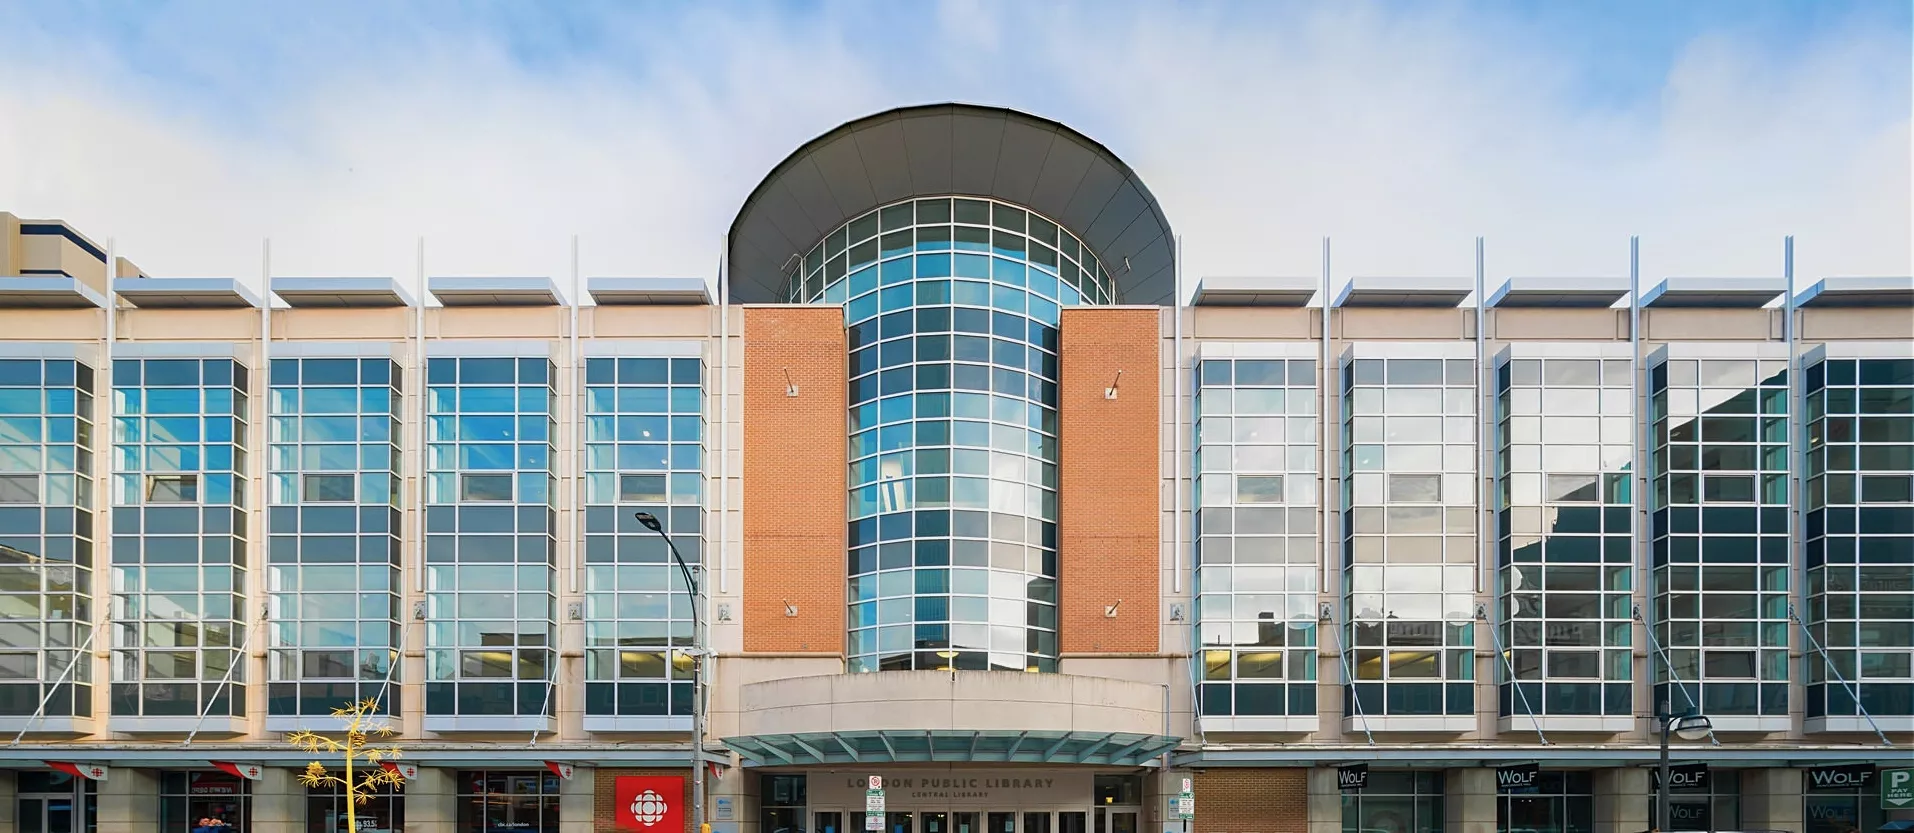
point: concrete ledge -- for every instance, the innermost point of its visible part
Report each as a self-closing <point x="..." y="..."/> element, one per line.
<point x="212" y="725"/>
<point x="1279" y="724"/>
<point x="1592" y="724"/>
<point x="63" y="726"/>
<point x="637" y="723"/>
<point x="962" y="700"/>
<point x="446" y="724"/>
<point x="1892" y="724"/>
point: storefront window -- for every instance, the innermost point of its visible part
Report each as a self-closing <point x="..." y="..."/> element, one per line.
<point x="783" y="798"/>
<point x="494" y="801"/>
<point x="1714" y="807"/>
<point x="55" y="802"/>
<point x="187" y="797"/>
<point x="383" y="812"/>
<point x="1395" y="802"/>
<point x="1852" y="810"/>
<point x="1560" y="802"/>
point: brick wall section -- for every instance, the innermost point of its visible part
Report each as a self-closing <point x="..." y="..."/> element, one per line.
<point x="794" y="479"/>
<point x="1109" y="481"/>
<point x="604" y="793"/>
<point x="1251" y="800"/>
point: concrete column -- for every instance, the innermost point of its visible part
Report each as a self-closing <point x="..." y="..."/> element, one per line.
<point x="1622" y="804"/>
<point x="1325" y="801"/>
<point x="1771" y="799"/>
<point x="431" y="801"/>
<point x="1468" y="801"/>
<point x="129" y="801"/>
<point x="576" y="801"/>
<point x="9" y="791"/>
<point x="278" y="803"/>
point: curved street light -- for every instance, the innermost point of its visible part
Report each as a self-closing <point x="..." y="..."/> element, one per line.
<point x="1689" y="725"/>
<point x="696" y="653"/>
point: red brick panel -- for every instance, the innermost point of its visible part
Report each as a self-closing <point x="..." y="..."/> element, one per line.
<point x="1109" y="475"/>
<point x="794" y="479"/>
<point x="1251" y="801"/>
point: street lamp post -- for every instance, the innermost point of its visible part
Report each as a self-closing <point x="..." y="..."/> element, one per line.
<point x="696" y="654"/>
<point x="1689" y="725"/>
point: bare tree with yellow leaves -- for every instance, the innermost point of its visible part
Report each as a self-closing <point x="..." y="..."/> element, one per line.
<point x="363" y="727"/>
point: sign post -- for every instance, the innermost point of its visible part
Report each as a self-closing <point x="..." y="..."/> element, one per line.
<point x="1186" y="803"/>
<point x="874" y="804"/>
<point x="1897" y="789"/>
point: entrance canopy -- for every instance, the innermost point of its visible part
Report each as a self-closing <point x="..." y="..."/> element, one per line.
<point x="956" y="746"/>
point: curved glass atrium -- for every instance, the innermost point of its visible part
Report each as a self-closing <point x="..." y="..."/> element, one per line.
<point x="952" y="308"/>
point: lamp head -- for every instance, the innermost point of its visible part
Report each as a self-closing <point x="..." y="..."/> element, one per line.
<point x="1693" y="727"/>
<point x="649" y="520"/>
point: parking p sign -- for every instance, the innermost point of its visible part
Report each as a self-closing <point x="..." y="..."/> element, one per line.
<point x="1897" y="789"/>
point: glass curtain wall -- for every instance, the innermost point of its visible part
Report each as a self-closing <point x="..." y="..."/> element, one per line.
<point x="1409" y="546"/>
<point x="1720" y="551"/>
<point x="1560" y="802"/>
<point x="46" y="536"/>
<point x="1256" y="574"/>
<point x="644" y="452"/>
<point x="1397" y="801"/>
<point x="179" y="537"/>
<point x="490" y="549"/>
<point x="1563" y="513"/>
<point x="333" y="562"/>
<point x="1860" y="534"/>
<point x="952" y="309"/>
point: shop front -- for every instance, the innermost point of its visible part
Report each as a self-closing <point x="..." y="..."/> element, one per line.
<point x="1395" y="801"/>
<point x="190" y="796"/>
<point x="957" y="800"/>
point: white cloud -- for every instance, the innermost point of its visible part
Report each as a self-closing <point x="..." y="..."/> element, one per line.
<point x="1401" y="137"/>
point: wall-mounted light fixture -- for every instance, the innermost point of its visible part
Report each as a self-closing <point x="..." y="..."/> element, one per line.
<point x="1111" y="391"/>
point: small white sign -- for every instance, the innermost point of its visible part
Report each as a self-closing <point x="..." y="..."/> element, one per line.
<point x="1186" y="785"/>
<point x="874" y="821"/>
<point x="1186" y="806"/>
<point x="877" y="782"/>
<point x="874" y="801"/>
<point x="725" y="809"/>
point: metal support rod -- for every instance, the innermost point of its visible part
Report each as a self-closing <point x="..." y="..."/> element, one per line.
<point x="1836" y="671"/>
<point x="1348" y="683"/>
<point x="223" y="682"/>
<point x="391" y="668"/>
<point x="1672" y="676"/>
<point x="1495" y="636"/>
<point x="40" y="713"/>
<point x="545" y="706"/>
<point x="697" y="674"/>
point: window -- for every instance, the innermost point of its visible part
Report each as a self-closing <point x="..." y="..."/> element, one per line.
<point x="328" y="488"/>
<point x="383" y="812"/>
<point x="181" y="488"/>
<point x="1395" y="800"/>
<point x="520" y="801"/>
<point x="485" y="487"/>
<point x="1560" y="801"/>
<point x="20" y="488"/>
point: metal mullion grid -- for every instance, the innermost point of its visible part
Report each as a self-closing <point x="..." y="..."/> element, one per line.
<point x="289" y="577"/>
<point x="1843" y="521"/>
<point x="1674" y="384"/>
<point x="51" y="656"/>
<point x="1511" y="501"/>
<point x="1224" y="469"/>
<point x="130" y="645"/>
<point x="1452" y="654"/>
<point x="605" y="665"/>
<point x="458" y="568"/>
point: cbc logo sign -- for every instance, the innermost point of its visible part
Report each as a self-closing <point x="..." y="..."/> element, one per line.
<point x="649" y="808"/>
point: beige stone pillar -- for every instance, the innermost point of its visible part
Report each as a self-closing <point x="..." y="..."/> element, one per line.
<point x="1622" y="804"/>
<point x="1770" y="799"/>
<point x="129" y="801"/>
<point x="9" y="791"/>
<point x="1468" y="801"/>
<point x="431" y="801"/>
<point x="1325" y="801"/>
<point x="278" y="803"/>
<point x="575" y="801"/>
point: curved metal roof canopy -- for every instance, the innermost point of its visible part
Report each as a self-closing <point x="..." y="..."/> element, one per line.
<point x="957" y="149"/>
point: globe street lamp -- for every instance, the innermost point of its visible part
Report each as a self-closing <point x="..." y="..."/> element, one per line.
<point x="696" y="653"/>
<point x="1689" y="725"/>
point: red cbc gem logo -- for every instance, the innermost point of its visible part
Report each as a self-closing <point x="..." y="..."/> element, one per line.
<point x="649" y="803"/>
<point x="95" y="771"/>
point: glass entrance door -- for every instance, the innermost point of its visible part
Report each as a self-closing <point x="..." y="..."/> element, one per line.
<point x="1115" y="819"/>
<point x="50" y="813"/>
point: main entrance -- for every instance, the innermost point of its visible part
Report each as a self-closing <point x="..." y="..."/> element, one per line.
<point x="1008" y="800"/>
<point x="1106" y="819"/>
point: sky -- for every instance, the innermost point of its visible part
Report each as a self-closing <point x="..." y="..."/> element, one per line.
<point x="191" y="133"/>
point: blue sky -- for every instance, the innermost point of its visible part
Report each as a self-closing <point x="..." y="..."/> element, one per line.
<point x="345" y="131"/>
